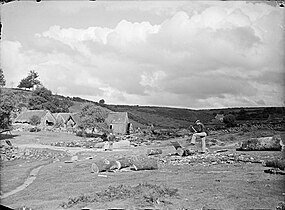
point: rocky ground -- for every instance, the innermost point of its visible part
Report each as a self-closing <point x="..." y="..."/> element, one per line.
<point x="223" y="178"/>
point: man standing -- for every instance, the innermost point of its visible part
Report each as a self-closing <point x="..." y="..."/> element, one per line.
<point x="200" y="131"/>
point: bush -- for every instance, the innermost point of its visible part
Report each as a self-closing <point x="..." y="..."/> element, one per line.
<point x="230" y="120"/>
<point x="219" y="127"/>
<point x="81" y="133"/>
<point x="35" y="129"/>
<point x="35" y="120"/>
<point x="88" y="135"/>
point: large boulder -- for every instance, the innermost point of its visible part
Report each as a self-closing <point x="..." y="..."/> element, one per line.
<point x="273" y="143"/>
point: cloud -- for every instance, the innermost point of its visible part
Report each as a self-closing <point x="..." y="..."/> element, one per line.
<point x="14" y="62"/>
<point x="208" y="55"/>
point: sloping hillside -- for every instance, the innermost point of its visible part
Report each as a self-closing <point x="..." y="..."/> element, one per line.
<point x="22" y="98"/>
<point x="181" y="118"/>
<point x="163" y="116"/>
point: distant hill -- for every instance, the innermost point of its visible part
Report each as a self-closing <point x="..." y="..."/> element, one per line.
<point x="163" y="116"/>
<point x="166" y="117"/>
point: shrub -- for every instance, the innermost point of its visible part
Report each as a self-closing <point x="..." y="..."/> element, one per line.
<point x="81" y="133"/>
<point x="219" y="127"/>
<point x="35" y="129"/>
<point x="230" y="120"/>
<point x="142" y="194"/>
<point x="35" y="120"/>
<point x="88" y="135"/>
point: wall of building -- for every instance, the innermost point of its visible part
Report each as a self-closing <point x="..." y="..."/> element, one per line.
<point x="119" y="128"/>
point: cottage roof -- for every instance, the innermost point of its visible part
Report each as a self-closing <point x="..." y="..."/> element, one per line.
<point x="64" y="116"/>
<point x="26" y="115"/>
<point x="76" y="117"/>
<point x="117" y="117"/>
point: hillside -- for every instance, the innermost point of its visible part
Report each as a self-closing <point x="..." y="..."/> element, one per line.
<point x="181" y="118"/>
<point x="165" y="117"/>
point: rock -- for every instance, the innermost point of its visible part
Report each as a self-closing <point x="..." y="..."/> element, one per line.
<point x="108" y="146"/>
<point x="281" y="206"/>
<point x="261" y="144"/>
<point x="24" y="208"/>
<point x="74" y="158"/>
<point x="99" y="145"/>
<point x="274" y="171"/>
<point x="154" y="151"/>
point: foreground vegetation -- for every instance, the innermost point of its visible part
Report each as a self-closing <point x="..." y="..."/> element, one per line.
<point x="192" y="182"/>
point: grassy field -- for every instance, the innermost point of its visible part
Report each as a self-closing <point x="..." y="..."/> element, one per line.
<point x="219" y="186"/>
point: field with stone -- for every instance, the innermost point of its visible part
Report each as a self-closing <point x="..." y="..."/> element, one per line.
<point x="53" y="170"/>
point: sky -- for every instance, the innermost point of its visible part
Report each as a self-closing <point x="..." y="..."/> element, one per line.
<point x="198" y="55"/>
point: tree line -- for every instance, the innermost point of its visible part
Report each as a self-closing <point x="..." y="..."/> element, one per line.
<point x="41" y="98"/>
<point x="91" y="116"/>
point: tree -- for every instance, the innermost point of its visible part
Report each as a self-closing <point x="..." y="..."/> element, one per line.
<point x="62" y="104"/>
<point x="229" y="120"/>
<point x="35" y="120"/>
<point x="102" y="101"/>
<point x="43" y="92"/>
<point x="25" y="83"/>
<point x="2" y="78"/>
<point x="42" y="98"/>
<point x="7" y="105"/>
<point x="92" y="117"/>
<point x="30" y="81"/>
<point x="33" y="78"/>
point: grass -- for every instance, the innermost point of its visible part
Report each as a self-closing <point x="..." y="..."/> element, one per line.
<point x="42" y="137"/>
<point x="237" y="137"/>
<point x="14" y="173"/>
<point x="143" y="194"/>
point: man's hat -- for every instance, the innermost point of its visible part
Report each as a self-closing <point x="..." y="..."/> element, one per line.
<point x="197" y="121"/>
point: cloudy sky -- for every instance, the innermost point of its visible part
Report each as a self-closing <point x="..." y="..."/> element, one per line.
<point x="181" y="54"/>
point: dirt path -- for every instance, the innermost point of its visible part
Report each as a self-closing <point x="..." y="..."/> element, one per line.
<point x="32" y="176"/>
<point x="72" y="151"/>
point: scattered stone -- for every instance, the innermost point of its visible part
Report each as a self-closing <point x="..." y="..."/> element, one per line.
<point x="12" y="153"/>
<point x="276" y="163"/>
<point x="102" y="175"/>
<point x="274" y="171"/>
<point x="24" y="208"/>
<point x="209" y="158"/>
<point x="154" y="151"/>
<point x="281" y="206"/>
<point x="108" y="146"/>
<point x="99" y="145"/>
<point x="74" y="158"/>
<point x="262" y="144"/>
<point x="84" y="142"/>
